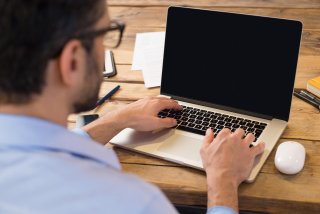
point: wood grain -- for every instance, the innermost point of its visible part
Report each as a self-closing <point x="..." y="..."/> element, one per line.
<point x="220" y="3"/>
<point x="141" y="17"/>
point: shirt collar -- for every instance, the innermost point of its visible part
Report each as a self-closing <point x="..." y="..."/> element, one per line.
<point x="31" y="132"/>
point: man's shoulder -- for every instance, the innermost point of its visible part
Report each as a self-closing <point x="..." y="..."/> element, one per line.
<point x="67" y="183"/>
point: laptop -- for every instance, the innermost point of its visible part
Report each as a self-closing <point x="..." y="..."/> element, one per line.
<point x="226" y="70"/>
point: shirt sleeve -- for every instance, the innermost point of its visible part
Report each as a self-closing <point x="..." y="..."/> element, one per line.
<point x="220" y="210"/>
<point x="81" y="132"/>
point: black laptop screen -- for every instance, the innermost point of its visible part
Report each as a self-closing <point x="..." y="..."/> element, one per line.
<point x="236" y="61"/>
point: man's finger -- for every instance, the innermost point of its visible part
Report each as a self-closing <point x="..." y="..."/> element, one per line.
<point x="258" y="149"/>
<point x="223" y="133"/>
<point x="166" y="122"/>
<point x="208" y="138"/>
<point x="249" y="139"/>
<point x="239" y="133"/>
<point x="168" y="104"/>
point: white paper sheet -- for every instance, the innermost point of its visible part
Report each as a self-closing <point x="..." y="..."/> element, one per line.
<point x="148" y="57"/>
<point x="153" y="66"/>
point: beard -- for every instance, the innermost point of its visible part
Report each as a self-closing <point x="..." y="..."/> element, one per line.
<point x="90" y="92"/>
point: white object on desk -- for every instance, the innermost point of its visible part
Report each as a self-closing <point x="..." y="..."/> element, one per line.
<point x="148" y="57"/>
<point x="290" y="157"/>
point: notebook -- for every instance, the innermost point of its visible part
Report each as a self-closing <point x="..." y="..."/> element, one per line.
<point x="227" y="70"/>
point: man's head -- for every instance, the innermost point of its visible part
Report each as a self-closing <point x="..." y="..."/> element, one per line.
<point x="35" y="33"/>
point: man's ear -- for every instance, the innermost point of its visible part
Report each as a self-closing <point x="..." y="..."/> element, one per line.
<point x="71" y="62"/>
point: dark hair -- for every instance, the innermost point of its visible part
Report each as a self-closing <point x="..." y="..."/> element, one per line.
<point x="31" y="33"/>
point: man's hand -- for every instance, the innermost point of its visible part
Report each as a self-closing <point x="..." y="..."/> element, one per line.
<point x="141" y="116"/>
<point x="227" y="160"/>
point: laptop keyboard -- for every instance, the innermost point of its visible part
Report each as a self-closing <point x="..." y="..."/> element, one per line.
<point x="198" y="121"/>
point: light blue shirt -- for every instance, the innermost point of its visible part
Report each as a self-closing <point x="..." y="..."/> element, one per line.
<point x="44" y="168"/>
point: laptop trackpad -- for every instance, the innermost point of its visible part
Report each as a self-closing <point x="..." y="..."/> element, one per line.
<point x="185" y="147"/>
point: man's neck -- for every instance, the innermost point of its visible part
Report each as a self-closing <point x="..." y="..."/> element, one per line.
<point x="48" y="111"/>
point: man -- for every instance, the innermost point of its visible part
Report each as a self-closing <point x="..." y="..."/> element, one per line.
<point x="50" y="66"/>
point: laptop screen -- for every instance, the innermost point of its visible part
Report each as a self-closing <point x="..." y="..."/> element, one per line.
<point x="241" y="62"/>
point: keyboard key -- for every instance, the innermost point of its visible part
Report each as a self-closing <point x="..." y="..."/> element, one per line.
<point x="199" y="113"/>
<point x="198" y="121"/>
<point x="178" y="117"/>
<point x="228" y="124"/>
<point x="250" y="129"/>
<point x="212" y="125"/>
<point x="213" y="116"/>
<point x="205" y="124"/>
<point x="221" y="122"/>
<point x="214" y="121"/>
<point x="228" y="120"/>
<point x="193" y="116"/>
<point x="250" y="125"/>
<point x="242" y="123"/>
<point x="171" y="115"/>
<point x="235" y="126"/>
<point x="185" y="114"/>
<point x="185" y="111"/>
<point x="184" y="123"/>
<point x="206" y="119"/>
<point x="161" y="113"/>
<point x="191" y="120"/>
<point x="172" y="111"/>
<point x="198" y="127"/>
<point x="188" y="129"/>
<point x="204" y="128"/>
<point x="200" y="118"/>
<point x="184" y="118"/>
<point x="259" y="127"/>
<point x="236" y="121"/>
<point x="179" y="113"/>
<point x="207" y="114"/>
<point x="191" y="125"/>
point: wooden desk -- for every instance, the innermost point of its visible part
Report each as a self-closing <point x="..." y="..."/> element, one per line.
<point x="271" y="192"/>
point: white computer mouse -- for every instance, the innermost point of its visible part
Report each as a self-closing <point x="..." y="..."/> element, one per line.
<point x="290" y="157"/>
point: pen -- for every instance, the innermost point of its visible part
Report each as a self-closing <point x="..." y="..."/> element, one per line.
<point x="107" y="96"/>
<point x="311" y="96"/>
<point x="306" y="98"/>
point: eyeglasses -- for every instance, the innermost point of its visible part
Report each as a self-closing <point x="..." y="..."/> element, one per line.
<point x="112" y="36"/>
